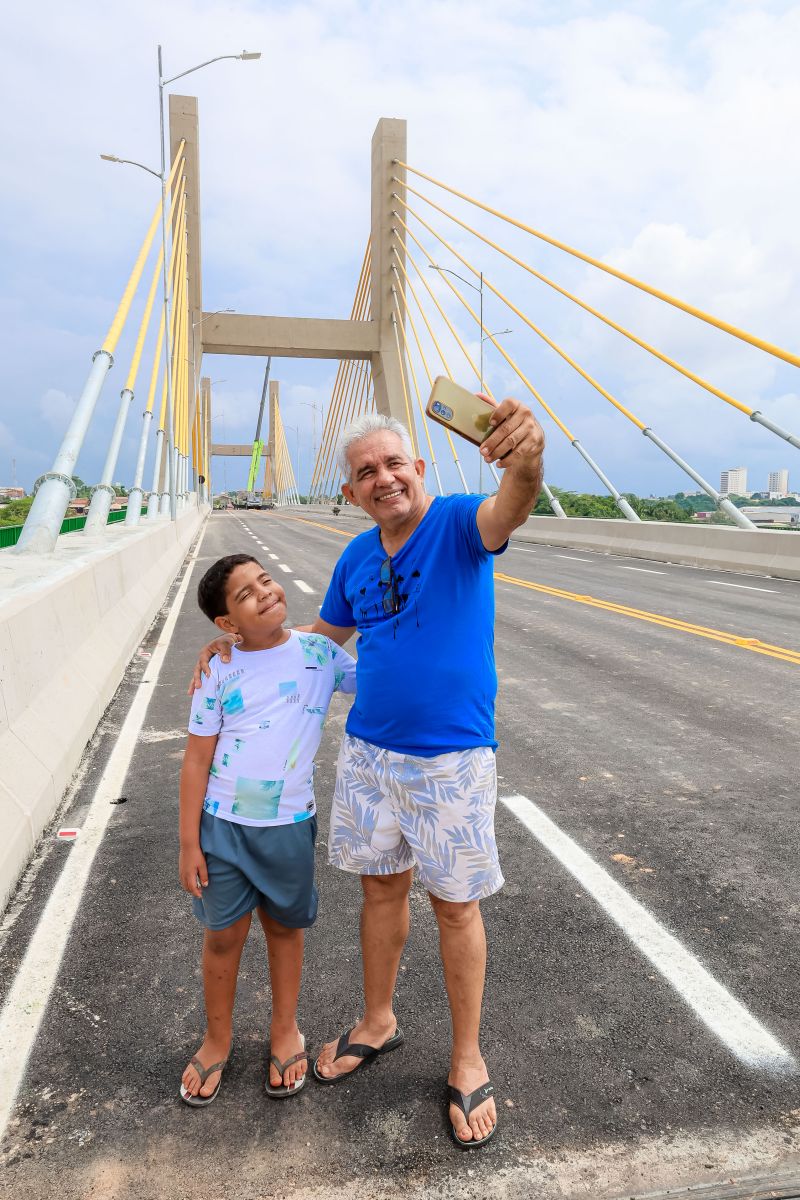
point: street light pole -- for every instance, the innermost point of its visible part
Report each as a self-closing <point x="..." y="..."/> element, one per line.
<point x="483" y="337"/>
<point x="162" y="83"/>
<point x="173" y="500"/>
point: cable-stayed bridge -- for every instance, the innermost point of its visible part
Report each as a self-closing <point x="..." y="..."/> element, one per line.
<point x="641" y="1016"/>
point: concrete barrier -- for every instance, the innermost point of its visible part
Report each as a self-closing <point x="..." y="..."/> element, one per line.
<point x="766" y="552"/>
<point x="772" y="552"/>
<point x="69" y="624"/>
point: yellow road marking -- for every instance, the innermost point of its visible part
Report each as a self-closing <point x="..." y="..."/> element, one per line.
<point x="319" y="525"/>
<point x="717" y="635"/>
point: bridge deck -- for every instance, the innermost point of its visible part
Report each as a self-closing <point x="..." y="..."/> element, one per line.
<point x="676" y="751"/>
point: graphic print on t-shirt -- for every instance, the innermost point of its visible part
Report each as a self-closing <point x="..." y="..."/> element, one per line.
<point x="257" y="799"/>
<point x="267" y="708"/>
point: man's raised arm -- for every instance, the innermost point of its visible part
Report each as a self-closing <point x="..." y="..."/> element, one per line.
<point x="516" y="445"/>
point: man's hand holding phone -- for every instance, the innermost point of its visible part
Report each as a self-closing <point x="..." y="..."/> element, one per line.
<point x="507" y="433"/>
<point x="516" y="439"/>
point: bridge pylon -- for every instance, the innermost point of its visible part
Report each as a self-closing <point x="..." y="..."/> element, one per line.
<point x="389" y="143"/>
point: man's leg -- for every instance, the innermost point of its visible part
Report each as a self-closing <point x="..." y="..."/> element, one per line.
<point x="384" y="929"/>
<point x="462" y="940"/>
<point x="222" y="951"/>
<point x="285" y="951"/>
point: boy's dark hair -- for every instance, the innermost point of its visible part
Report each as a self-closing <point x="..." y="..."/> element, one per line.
<point x="211" y="588"/>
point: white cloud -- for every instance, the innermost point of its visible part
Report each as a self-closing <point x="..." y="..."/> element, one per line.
<point x="652" y="136"/>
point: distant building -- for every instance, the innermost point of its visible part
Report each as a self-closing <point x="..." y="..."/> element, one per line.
<point x="734" y="481"/>
<point x="786" y="514"/>
<point x="12" y="493"/>
<point x="778" y="484"/>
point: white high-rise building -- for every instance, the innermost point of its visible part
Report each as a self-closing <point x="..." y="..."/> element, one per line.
<point x="734" y="481"/>
<point x="778" y="484"/>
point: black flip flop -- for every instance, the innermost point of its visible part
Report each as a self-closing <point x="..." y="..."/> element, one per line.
<point x="367" y="1054"/>
<point x="466" y="1102"/>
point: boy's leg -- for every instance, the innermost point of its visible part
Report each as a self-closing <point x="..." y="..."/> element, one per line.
<point x="222" y="951"/>
<point x="285" y="952"/>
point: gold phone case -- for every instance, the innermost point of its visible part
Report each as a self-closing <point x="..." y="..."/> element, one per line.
<point x="459" y="410"/>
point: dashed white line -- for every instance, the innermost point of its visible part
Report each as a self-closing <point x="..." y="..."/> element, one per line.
<point x="747" y="587"/>
<point x="572" y="558"/>
<point x="29" y="993"/>
<point x="644" y="570"/>
<point x="737" y="1028"/>
<point x="304" y="586"/>
<point x="284" y="567"/>
<point x="274" y="556"/>
<point x="522" y="550"/>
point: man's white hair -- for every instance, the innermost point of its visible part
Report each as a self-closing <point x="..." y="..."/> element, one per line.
<point x="364" y="427"/>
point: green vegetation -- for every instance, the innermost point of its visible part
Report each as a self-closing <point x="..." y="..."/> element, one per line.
<point x="584" y="504"/>
<point x="15" y="512"/>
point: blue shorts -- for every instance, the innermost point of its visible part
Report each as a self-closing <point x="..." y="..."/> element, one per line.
<point x="257" y="866"/>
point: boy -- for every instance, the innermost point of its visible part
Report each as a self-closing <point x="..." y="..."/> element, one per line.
<point x="247" y="823"/>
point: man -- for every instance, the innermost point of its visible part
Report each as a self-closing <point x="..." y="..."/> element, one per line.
<point x="416" y="782"/>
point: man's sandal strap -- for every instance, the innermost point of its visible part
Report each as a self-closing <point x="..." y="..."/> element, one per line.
<point x="345" y="1047"/>
<point x="467" y="1101"/>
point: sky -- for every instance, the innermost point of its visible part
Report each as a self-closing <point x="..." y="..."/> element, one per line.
<point x="659" y="138"/>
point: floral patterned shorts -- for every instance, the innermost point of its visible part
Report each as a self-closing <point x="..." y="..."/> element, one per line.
<point x="394" y="811"/>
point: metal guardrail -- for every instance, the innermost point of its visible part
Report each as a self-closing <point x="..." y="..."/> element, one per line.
<point x="10" y="534"/>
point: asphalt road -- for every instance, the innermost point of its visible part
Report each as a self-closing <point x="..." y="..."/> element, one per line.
<point x="655" y="775"/>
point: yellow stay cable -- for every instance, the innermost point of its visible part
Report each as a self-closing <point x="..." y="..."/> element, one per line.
<point x="288" y="472"/>
<point x="442" y="313"/>
<point x="419" y="345"/>
<point x="177" y="352"/>
<point x="352" y="374"/>
<point x="409" y="418"/>
<point x="410" y="362"/>
<point x="540" y="333"/>
<point x="351" y="408"/>
<point x="121" y="315"/>
<point x="356" y="313"/>
<point x="157" y="364"/>
<point x="564" y="429"/>
<point x="717" y="322"/>
<point x="130" y="382"/>
<point x="632" y="337"/>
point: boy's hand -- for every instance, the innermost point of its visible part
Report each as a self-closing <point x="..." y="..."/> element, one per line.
<point x="191" y="869"/>
<point x="222" y="647"/>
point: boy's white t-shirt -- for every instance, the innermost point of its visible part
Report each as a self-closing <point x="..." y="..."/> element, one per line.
<point x="268" y="708"/>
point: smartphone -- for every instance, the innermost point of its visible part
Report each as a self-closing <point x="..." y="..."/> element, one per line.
<point x="460" y="410"/>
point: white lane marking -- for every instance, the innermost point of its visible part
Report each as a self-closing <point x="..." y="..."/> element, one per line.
<point x="273" y="556"/>
<point x="744" y="1036"/>
<point x="747" y="588"/>
<point x="29" y="994"/>
<point x="644" y="570"/>
<point x="284" y="567"/>
<point x="522" y="550"/>
<point x="304" y="586"/>
<point x="572" y="558"/>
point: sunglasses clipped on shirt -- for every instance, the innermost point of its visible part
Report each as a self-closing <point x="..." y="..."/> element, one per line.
<point x="392" y="599"/>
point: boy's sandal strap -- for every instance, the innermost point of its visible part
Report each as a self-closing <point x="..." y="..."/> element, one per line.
<point x="467" y="1101"/>
<point x="204" y="1072"/>
<point x="281" y="1067"/>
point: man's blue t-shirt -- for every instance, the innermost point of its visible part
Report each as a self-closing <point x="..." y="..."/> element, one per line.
<point x="426" y="678"/>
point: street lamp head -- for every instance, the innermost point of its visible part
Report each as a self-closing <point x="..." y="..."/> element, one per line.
<point x="249" y="55"/>
<point x="110" y="158"/>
